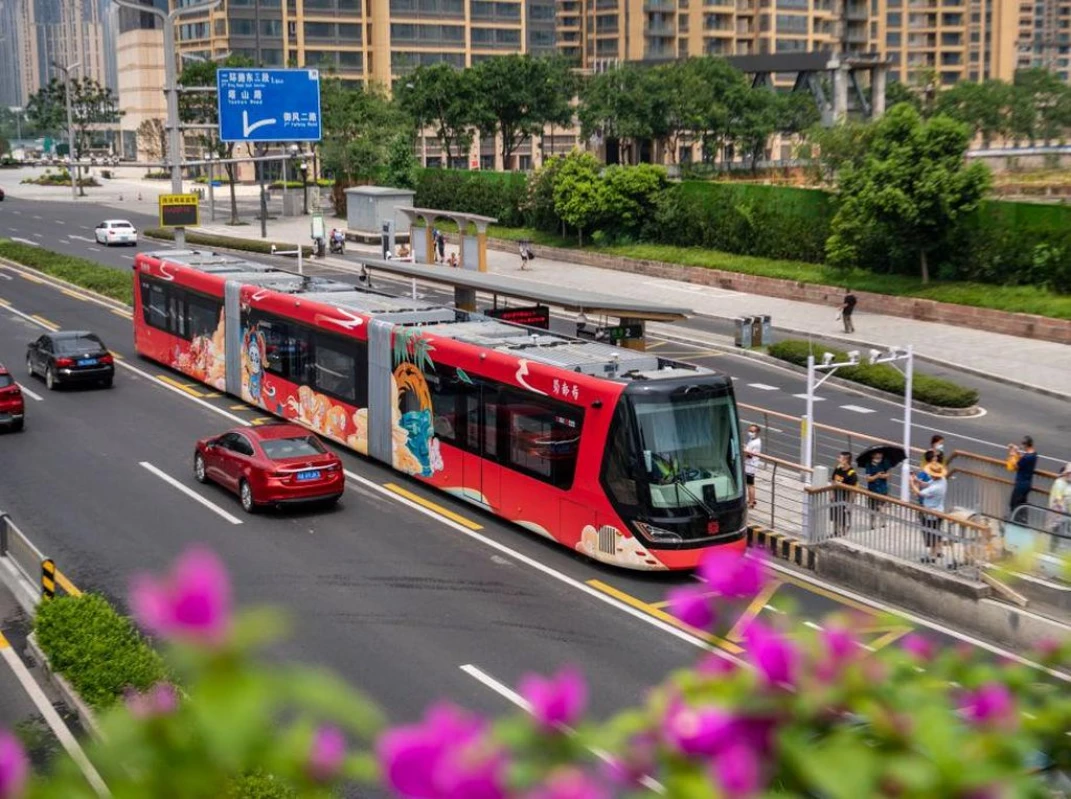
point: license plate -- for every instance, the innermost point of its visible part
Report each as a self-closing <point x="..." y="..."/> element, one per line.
<point x="87" y="362"/>
<point x="313" y="475"/>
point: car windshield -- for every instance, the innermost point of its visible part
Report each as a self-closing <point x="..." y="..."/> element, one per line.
<point x="6" y="381"/>
<point x="122" y="225"/>
<point x="690" y="448"/>
<point x="69" y="346"/>
<point x="297" y="447"/>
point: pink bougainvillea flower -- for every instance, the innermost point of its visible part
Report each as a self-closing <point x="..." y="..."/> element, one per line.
<point x="738" y="771"/>
<point x="160" y="700"/>
<point x="991" y="705"/>
<point x="14" y="766"/>
<point x="326" y="754"/>
<point x="691" y="605"/>
<point x="733" y="575"/>
<point x="557" y="701"/>
<point x="840" y="648"/>
<point x="444" y="756"/>
<point x="193" y="603"/>
<point x="570" y="783"/>
<point x="638" y="761"/>
<point x="701" y="731"/>
<point x="774" y="656"/>
<point x="919" y="647"/>
<point x="715" y="664"/>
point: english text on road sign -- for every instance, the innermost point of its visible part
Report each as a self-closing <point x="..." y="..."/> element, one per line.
<point x="178" y="210"/>
<point x="265" y="105"/>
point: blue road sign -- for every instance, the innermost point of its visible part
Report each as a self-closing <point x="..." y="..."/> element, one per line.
<point x="262" y="105"/>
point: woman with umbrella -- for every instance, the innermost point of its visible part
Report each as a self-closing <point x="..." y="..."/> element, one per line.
<point x="877" y="463"/>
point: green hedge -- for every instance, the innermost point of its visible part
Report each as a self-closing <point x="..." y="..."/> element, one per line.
<point x="925" y="388"/>
<point x="114" y="283"/>
<point x="228" y="242"/>
<point x="99" y="652"/>
<point x="497" y="194"/>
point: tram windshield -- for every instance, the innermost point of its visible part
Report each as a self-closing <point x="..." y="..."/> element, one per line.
<point x="690" y="446"/>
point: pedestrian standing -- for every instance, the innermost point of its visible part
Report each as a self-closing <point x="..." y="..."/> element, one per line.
<point x="525" y="255"/>
<point x="752" y="449"/>
<point x="843" y="474"/>
<point x="1060" y="494"/>
<point x="877" y="483"/>
<point x="931" y="488"/>
<point x="937" y="447"/>
<point x="442" y="247"/>
<point x="1024" y="459"/>
<point x="847" y="308"/>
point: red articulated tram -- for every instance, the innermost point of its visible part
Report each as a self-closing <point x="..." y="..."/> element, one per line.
<point x="631" y="459"/>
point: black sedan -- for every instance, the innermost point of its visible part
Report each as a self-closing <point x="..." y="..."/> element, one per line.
<point x="70" y="356"/>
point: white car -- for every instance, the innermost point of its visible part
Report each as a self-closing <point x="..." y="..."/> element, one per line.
<point x="116" y="231"/>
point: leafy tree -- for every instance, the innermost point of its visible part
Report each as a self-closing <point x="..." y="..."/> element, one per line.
<point x="985" y="107"/>
<point x="578" y="192"/>
<point x="842" y="145"/>
<point x="152" y="139"/>
<point x="518" y="96"/>
<point x="446" y="99"/>
<point x="359" y="125"/>
<point x="402" y="166"/>
<point x="1045" y="102"/>
<point x="628" y="197"/>
<point x="913" y="185"/>
<point x="5" y="146"/>
<point x="897" y="92"/>
<point x="201" y="108"/>
<point x="685" y="92"/>
<point x="724" y="93"/>
<point x="624" y="103"/>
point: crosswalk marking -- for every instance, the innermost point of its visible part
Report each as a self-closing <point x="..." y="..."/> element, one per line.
<point x="857" y="408"/>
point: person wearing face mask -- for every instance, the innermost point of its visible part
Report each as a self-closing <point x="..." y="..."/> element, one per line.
<point x="752" y="449"/>
<point x="937" y="447"/>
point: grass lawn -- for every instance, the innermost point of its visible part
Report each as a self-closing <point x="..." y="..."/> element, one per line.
<point x="114" y="283"/>
<point x="1021" y="299"/>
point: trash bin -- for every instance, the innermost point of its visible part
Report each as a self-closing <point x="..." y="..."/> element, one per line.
<point x="743" y="331"/>
<point x="756" y="331"/>
<point x="767" y="332"/>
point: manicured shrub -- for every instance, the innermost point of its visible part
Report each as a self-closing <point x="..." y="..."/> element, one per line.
<point x="925" y="388"/>
<point x="100" y="652"/>
<point x="497" y="194"/>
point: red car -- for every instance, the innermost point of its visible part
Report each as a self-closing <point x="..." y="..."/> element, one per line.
<point x="12" y="408"/>
<point x="275" y="464"/>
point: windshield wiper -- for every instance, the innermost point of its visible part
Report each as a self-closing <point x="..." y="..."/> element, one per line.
<point x="678" y="480"/>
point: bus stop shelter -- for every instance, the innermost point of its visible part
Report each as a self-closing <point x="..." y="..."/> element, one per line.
<point x="471" y="231"/>
<point x="632" y="314"/>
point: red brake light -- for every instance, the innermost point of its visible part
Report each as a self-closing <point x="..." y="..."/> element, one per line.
<point x="61" y="362"/>
<point x="106" y="359"/>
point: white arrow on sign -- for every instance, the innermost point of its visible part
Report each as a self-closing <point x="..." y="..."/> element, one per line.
<point x="247" y="128"/>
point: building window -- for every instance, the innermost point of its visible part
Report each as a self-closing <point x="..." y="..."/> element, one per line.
<point x="319" y="30"/>
<point x="892" y="39"/>
<point x="894" y="20"/>
<point x="791" y="45"/>
<point x="791" y="23"/>
<point x="350" y="59"/>
<point x="429" y="8"/>
<point x="427" y="34"/>
<point x="271" y="27"/>
<point x="802" y="5"/>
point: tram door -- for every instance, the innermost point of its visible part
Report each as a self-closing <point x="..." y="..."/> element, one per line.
<point x="481" y="472"/>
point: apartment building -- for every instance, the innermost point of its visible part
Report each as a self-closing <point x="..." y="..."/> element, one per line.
<point x="1044" y="36"/>
<point x="371" y="40"/>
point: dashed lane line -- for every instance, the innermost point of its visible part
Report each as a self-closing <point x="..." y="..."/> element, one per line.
<point x="171" y="481"/>
<point x="762" y="386"/>
<point x="804" y="396"/>
<point x="25" y="241"/>
<point x="75" y="295"/>
<point x="856" y="409"/>
<point x="31" y="394"/>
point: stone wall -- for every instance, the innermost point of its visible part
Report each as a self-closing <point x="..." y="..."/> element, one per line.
<point x="1012" y="324"/>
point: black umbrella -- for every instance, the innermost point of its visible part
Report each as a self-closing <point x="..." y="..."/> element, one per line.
<point x="892" y="455"/>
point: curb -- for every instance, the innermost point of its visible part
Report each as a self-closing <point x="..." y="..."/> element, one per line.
<point x="858" y="388"/>
<point x="782" y="547"/>
<point x="65" y="689"/>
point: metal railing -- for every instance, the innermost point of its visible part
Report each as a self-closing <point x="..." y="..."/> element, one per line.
<point x="983" y="493"/>
<point x="939" y="542"/>
<point x="779" y="495"/>
<point x="16" y="547"/>
<point x="996" y="468"/>
<point x="1040" y="539"/>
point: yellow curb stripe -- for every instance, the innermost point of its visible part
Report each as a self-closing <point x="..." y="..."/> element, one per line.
<point x="753" y="609"/>
<point x="180" y="386"/>
<point x="238" y="408"/>
<point x="449" y="514"/>
<point x="262" y="420"/>
<point x="5" y="303"/>
<point x="45" y="322"/>
<point x="28" y="276"/>
<point x="66" y="584"/>
<point x="4" y="643"/>
<point x="74" y="294"/>
<point x="889" y="637"/>
<point x="124" y="314"/>
<point x="661" y="615"/>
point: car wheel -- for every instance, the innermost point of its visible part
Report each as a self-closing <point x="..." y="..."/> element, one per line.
<point x="245" y="494"/>
<point x="335" y="499"/>
<point x="106" y="382"/>
<point x="50" y="379"/>
<point x="29" y="366"/>
<point x="199" y="468"/>
<point x="17" y="426"/>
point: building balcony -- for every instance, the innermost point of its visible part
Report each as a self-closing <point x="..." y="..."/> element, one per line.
<point x="660" y="6"/>
<point x="856" y="13"/>
<point x="660" y="32"/>
<point x="745" y="6"/>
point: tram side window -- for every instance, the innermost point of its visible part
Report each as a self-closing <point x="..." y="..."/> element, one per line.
<point x="448" y="398"/>
<point x="286" y="349"/>
<point x="203" y="315"/>
<point x="544" y="437"/>
<point x="337" y="370"/>
<point x="154" y="305"/>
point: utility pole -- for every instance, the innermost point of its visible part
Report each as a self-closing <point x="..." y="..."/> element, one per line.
<point x="174" y="133"/>
<point x="73" y="171"/>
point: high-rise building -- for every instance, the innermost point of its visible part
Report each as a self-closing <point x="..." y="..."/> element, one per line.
<point x="141" y="77"/>
<point x="10" y="61"/>
<point x="1044" y="36"/>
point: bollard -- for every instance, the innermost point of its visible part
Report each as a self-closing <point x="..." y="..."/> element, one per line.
<point x="48" y="578"/>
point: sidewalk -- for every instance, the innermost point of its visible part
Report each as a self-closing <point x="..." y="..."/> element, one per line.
<point x="1020" y="361"/>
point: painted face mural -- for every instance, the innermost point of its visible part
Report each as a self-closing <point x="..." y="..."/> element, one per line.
<point x="416" y="449"/>
<point x="253" y="364"/>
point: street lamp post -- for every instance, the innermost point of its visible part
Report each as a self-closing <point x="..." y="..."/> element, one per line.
<point x="304" y="167"/>
<point x="174" y="135"/>
<point x="891" y="357"/>
<point x="209" y="156"/>
<point x="66" y="70"/>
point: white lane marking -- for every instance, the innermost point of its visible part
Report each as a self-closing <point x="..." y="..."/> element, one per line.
<point x="804" y="396"/>
<point x="37" y="235"/>
<point x="128" y="257"/>
<point x="94" y="249"/>
<point x="190" y="493"/>
<point x="857" y="408"/>
<point x="81" y="238"/>
<point x="35" y="216"/>
<point x="1001" y="447"/>
<point x="762" y="386"/>
<point x="19" y="213"/>
<point x="30" y="394"/>
<point x="25" y="241"/>
<point x="5" y="276"/>
<point x="914" y="619"/>
<point x="54" y="721"/>
<point x="563" y="578"/>
<point x="512" y="696"/>
<point x="812" y="625"/>
<point x="58" y="222"/>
